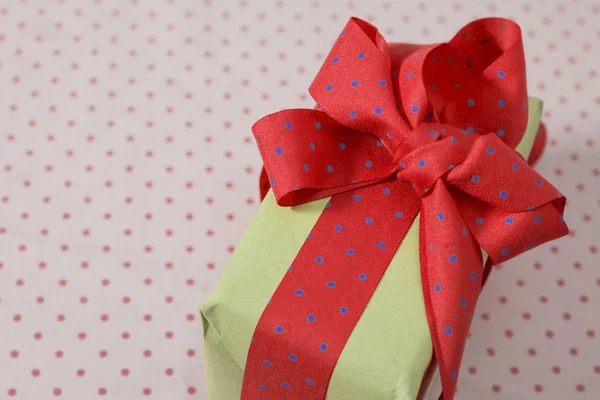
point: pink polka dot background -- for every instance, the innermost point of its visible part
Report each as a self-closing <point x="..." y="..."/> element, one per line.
<point x="128" y="175"/>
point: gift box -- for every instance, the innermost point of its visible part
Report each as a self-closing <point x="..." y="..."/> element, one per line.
<point x="291" y="316"/>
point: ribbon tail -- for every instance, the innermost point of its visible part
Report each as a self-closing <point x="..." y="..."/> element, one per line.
<point x="451" y="274"/>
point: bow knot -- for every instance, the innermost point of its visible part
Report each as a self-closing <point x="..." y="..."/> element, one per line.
<point x="426" y="164"/>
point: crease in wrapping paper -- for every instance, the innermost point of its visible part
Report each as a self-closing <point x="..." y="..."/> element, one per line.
<point x="390" y="348"/>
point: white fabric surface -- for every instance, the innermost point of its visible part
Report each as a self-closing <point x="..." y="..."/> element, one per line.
<point x="128" y="175"/>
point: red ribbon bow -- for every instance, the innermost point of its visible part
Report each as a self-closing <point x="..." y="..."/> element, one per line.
<point x="400" y="129"/>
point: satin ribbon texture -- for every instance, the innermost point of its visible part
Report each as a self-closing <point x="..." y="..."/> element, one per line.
<point x="399" y="130"/>
<point x="537" y="150"/>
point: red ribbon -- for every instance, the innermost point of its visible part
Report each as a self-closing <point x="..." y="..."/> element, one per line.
<point x="401" y="129"/>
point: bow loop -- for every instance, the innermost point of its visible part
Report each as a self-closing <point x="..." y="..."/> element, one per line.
<point x="477" y="81"/>
<point x="513" y="232"/>
<point x="308" y="156"/>
<point x="354" y="84"/>
<point x="511" y="184"/>
<point x="511" y="195"/>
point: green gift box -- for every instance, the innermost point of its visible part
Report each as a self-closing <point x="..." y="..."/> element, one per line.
<point x="388" y="360"/>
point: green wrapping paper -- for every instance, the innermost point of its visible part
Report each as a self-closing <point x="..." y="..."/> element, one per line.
<point x="390" y="349"/>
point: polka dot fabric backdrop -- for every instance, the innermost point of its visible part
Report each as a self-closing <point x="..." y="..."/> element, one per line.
<point x="128" y="174"/>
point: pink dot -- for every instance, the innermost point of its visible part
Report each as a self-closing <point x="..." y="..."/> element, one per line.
<point x="573" y="351"/>
<point x="147" y="353"/>
<point x="580" y="388"/>
<point x="538" y="388"/>
<point x="102" y="391"/>
<point x="125" y="372"/>
<point x="125" y="335"/>
<point x="496" y="388"/>
<point x="191" y="390"/>
<point x="169" y="335"/>
<point x="520" y="283"/>
<point x="35" y="373"/>
<point x="583" y="298"/>
<point x="556" y="370"/>
<point x="59" y="354"/>
<point x="532" y="352"/>
<point x="14" y="354"/>
<point x="12" y="392"/>
<point x="514" y="370"/>
<point x="191" y="353"/>
<point x="490" y="352"/>
<point x="169" y="371"/>
<point x="591" y="333"/>
<point x="80" y="372"/>
<point x="103" y="353"/>
<point x="147" y="391"/>
<point x="57" y="391"/>
<point x="148" y="317"/>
